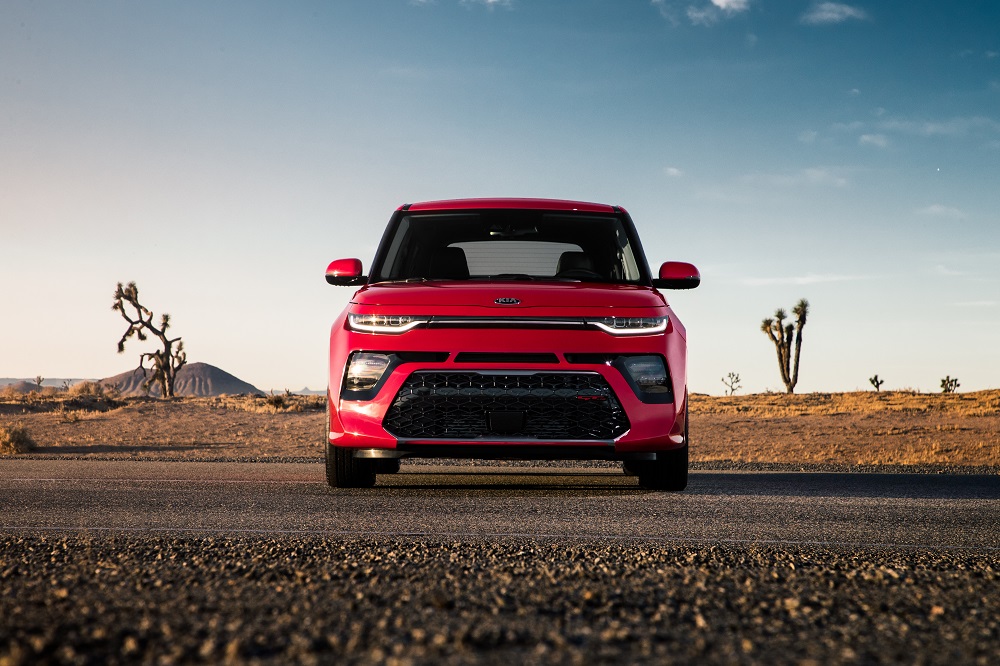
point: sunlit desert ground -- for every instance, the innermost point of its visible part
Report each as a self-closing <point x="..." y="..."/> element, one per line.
<point x="864" y="428"/>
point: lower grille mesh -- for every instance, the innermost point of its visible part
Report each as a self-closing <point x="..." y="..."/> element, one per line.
<point x="459" y="405"/>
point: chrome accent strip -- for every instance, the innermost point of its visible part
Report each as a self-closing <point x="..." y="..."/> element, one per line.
<point x="506" y="321"/>
<point x="378" y="454"/>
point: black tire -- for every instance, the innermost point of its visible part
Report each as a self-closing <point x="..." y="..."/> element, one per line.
<point x="670" y="469"/>
<point x="668" y="472"/>
<point x="343" y="470"/>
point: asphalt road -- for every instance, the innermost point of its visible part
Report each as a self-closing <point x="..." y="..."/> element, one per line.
<point x="179" y="563"/>
<point x="939" y="511"/>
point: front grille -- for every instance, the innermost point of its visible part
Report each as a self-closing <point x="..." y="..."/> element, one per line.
<point x="469" y="405"/>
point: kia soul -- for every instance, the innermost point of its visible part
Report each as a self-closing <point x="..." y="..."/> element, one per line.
<point x="527" y="329"/>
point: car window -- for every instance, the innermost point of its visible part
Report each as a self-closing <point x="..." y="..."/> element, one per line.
<point x="518" y="243"/>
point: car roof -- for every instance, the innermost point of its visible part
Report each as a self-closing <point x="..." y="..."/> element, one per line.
<point x="511" y="204"/>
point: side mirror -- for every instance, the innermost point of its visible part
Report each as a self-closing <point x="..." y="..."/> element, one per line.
<point x="677" y="275"/>
<point x="345" y="273"/>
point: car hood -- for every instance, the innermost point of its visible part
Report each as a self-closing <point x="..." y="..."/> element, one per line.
<point x="511" y="296"/>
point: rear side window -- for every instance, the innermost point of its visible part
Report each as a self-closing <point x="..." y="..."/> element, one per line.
<point x="533" y="258"/>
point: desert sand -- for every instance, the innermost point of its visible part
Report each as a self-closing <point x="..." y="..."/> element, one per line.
<point x="848" y="429"/>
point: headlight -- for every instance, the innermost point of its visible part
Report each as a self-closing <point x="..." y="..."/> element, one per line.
<point x="372" y="323"/>
<point x="631" y="325"/>
<point x="364" y="370"/>
<point x="648" y="372"/>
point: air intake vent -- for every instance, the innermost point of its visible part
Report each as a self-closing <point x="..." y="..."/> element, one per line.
<point x="542" y="406"/>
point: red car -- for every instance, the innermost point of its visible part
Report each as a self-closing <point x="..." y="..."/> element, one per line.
<point x="508" y="329"/>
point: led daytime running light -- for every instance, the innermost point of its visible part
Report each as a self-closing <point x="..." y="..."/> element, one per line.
<point x="375" y="323"/>
<point x="631" y="325"/>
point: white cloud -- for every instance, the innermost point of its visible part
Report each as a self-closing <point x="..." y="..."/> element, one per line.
<point x="810" y="278"/>
<point x="732" y="6"/>
<point x="825" y="13"/>
<point x="703" y="16"/>
<point x="814" y="176"/>
<point x="666" y="10"/>
<point x="992" y="55"/>
<point x="937" y="210"/>
<point x="941" y="269"/>
<point x="808" y="136"/>
<point x="490" y="4"/>
<point x="673" y="172"/>
<point x="854" y="92"/>
<point x="952" y="127"/>
<point x="877" y="140"/>
<point x="702" y="12"/>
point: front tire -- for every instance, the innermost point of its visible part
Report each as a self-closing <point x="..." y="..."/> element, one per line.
<point x="668" y="472"/>
<point x="670" y="469"/>
<point x="343" y="470"/>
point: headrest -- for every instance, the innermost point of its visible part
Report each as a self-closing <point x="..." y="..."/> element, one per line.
<point x="448" y="263"/>
<point x="570" y="261"/>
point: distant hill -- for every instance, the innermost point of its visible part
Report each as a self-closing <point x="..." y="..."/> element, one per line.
<point x="194" y="379"/>
<point x="58" y="382"/>
<point x="20" y="386"/>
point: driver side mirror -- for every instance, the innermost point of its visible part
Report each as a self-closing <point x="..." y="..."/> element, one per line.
<point x="677" y="275"/>
<point x="345" y="273"/>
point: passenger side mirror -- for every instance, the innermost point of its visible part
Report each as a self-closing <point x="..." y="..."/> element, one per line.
<point x="345" y="273"/>
<point x="677" y="275"/>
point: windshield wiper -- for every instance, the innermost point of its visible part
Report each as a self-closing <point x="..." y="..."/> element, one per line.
<point x="512" y="276"/>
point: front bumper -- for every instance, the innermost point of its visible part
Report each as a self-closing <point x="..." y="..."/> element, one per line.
<point x="572" y="404"/>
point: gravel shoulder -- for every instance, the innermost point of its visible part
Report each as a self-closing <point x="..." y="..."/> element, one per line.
<point x="164" y="599"/>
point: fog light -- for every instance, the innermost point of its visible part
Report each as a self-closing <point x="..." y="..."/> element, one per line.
<point x="648" y="372"/>
<point x="365" y="370"/>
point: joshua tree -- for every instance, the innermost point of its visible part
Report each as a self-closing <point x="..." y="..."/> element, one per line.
<point x="732" y="382"/>
<point x="787" y="339"/>
<point x="38" y="381"/>
<point x="949" y="385"/>
<point x="165" y="363"/>
<point x="876" y="382"/>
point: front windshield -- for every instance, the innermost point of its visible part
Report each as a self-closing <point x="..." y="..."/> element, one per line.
<point x="512" y="245"/>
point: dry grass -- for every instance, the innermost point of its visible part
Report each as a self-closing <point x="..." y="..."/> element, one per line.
<point x="14" y="439"/>
<point x="270" y="404"/>
<point x="774" y="405"/>
<point x="863" y="428"/>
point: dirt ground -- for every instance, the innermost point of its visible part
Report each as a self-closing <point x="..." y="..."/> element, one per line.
<point x="865" y="428"/>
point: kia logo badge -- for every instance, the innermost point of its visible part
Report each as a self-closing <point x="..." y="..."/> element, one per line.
<point x="507" y="301"/>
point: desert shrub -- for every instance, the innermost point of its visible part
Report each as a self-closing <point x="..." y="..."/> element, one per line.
<point x="271" y="404"/>
<point x="15" y="439"/>
<point x="87" y="389"/>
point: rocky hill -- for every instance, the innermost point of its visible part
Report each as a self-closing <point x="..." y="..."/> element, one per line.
<point x="194" y="379"/>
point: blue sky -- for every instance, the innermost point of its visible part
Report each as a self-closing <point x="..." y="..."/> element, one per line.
<point x="222" y="153"/>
